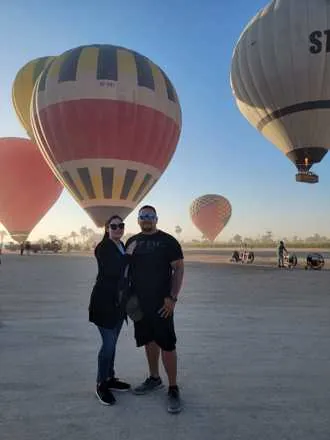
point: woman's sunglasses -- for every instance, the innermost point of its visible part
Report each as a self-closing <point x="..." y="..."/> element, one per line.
<point x="114" y="226"/>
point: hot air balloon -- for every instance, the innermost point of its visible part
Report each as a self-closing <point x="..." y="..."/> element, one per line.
<point x="22" y="89"/>
<point x="28" y="188"/>
<point x="210" y="214"/>
<point x="281" y="79"/>
<point x="108" y="120"/>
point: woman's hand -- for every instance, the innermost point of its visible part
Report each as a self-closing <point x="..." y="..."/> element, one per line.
<point x="131" y="248"/>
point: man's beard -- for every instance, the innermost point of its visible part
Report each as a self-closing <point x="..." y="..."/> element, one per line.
<point x="147" y="228"/>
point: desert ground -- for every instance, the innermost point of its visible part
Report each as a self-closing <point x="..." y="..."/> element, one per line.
<point x="253" y="345"/>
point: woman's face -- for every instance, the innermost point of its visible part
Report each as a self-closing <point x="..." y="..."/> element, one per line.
<point x="116" y="229"/>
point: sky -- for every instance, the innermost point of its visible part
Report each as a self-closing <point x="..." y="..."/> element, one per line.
<point x="218" y="152"/>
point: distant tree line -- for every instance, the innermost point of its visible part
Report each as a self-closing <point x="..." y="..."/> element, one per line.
<point x="266" y="240"/>
<point x="86" y="240"/>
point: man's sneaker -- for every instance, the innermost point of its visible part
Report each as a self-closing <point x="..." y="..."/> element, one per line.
<point x="148" y="385"/>
<point x="173" y="400"/>
<point x="115" y="384"/>
<point x="104" y="395"/>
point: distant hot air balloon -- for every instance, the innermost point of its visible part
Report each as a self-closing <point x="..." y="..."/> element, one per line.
<point x="28" y="188"/>
<point x="109" y="120"/>
<point x="210" y="214"/>
<point x="281" y="79"/>
<point x="22" y="89"/>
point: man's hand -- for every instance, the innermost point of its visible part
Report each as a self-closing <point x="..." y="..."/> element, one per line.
<point x="168" y="308"/>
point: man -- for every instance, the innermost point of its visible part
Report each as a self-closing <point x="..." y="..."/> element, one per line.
<point x="280" y="253"/>
<point x="156" y="273"/>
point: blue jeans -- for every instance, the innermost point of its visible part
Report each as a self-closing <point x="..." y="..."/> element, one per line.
<point x="106" y="356"/>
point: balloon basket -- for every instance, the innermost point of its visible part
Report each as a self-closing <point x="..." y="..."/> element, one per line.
<point x="307" y="177"/>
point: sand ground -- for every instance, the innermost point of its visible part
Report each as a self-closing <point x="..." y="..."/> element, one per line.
<point x="253" y="343"/>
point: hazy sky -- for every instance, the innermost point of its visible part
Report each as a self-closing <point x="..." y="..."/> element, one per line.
<point x="219" y="152"/>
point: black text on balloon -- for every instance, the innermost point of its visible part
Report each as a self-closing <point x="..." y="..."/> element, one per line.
<point x="319" y="40"/>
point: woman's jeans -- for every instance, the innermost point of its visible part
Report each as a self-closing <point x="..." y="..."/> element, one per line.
<point x="106" y="356"/>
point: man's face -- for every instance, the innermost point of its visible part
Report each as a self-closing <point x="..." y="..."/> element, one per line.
<point x="147" y="220"/>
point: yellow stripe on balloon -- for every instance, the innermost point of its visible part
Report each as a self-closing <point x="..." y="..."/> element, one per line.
<point x="21" y="94"/>
<point x="136" y="185"/>
<point x="97" y="185"/>
<point x="126" y="65"/>
<point x="118" y="182"/>
<point x="80" y="186"/>
<point x="54" y="70"/>
<point x="87" y="61"/>
<point x="147" y="188"/>
<point x="160" y="86"/>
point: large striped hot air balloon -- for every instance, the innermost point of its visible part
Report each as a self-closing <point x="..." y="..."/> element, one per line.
<point x="210" y="214"/>
<point x="22" y="89"/>
<point x="281" y="79"/>
<point x="108" y="119"/>
<point x="28" y="188"/>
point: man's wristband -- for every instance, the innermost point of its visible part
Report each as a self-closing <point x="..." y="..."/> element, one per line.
<point x="172" y="298"/>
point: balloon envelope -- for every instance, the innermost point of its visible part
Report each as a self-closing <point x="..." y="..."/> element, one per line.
<point x="210" y="214"/>
<point x="280" y="77"/>
<point x="22" y="89"/>
<point x="109" y="120"/>
<point x="28" y="188"/>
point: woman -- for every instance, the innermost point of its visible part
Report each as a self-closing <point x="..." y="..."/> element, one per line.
<point x="104" y="309"/>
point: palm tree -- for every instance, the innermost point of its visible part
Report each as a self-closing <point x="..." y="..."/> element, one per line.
<point x="91" y="233"/>
<point x="84" y="233"/>
<point x="74" y="236"/>
<point x="237" y="239"/>
<point x="178" y="231"/>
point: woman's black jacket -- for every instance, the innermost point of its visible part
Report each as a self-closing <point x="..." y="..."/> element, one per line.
<point x="104" y="310"/>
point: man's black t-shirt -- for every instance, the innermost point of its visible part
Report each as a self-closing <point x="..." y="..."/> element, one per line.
<point x="150" y="268"/>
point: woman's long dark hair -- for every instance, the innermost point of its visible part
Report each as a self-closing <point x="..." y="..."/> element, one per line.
<point x="106" y="235"/>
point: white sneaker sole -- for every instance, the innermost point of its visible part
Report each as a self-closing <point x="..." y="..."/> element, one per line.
<point x="174" y="411"/>
<point x="101" y="401"/>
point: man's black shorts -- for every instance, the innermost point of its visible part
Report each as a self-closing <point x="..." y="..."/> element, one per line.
<point x="153" y="328"/>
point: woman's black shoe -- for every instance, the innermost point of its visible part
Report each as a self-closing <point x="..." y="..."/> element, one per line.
<point x="104" y="395"/>
<point x="115" y="384"/>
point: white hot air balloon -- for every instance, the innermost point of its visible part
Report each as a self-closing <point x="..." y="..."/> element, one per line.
<point x="280" y="78"/>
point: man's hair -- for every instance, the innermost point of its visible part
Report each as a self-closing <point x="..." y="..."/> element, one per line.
<point x="148" y="207"/>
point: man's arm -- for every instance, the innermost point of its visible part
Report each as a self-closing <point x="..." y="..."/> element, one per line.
<point x="177" y="277"/>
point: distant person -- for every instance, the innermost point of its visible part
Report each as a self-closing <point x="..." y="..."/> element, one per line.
<point x="104" y="310"/>
<point x="22" y="247"/>
<point x="281" y="249"/>
<point x="245" y="252"/>
<point x="156" y="274"/>
<point x="28" y="247"/>
<point x="235" y="257"/>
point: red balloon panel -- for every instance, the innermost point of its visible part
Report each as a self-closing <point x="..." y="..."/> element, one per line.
<point x="28" y="187"/>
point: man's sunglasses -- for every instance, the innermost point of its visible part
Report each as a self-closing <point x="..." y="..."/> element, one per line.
<point x="147" y="216"/>
<point x="114" y="227"/>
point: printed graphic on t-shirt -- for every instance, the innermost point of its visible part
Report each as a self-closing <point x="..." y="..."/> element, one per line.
<point x="151" y="270"/>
